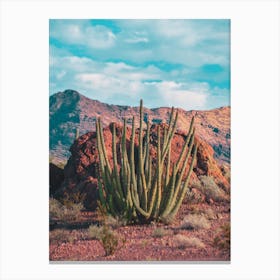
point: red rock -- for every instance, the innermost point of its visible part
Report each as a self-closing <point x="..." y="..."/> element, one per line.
<point x="81" y="169"/>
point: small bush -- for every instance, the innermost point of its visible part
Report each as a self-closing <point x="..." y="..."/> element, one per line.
<point x="222" y="238"/>
<point x="106" y="236"/>
<point x="160" y="232"/>
<point x="193" y="197"/>
<point x="114" y="222"/>
<point x="210" y="189"/>
<point x="54" y="209"/>
<point x="194" y="222"/>
<point x="73" y="198"/>
<point x="210" y="214"/>
<point x="64" y="213"/>
<point x="95" y="232"/>
<point x="182" y="242"/>
<point x="109" y="241"/>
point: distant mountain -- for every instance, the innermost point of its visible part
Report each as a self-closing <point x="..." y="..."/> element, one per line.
<point x="71" y="111"/>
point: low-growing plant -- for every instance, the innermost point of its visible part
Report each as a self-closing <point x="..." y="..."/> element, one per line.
<point x="210" y="214"/>
<point x="192" y="197"/>
<point x="95" y="232"/>
<point x="195" y="222"/>
<point x="222" y="238"/>
<point x="64" y="213"/>
<point x="114" y="222"/>
<point x="69" y="199"/>
<point x="182" y="242"/>
<point x="210" y="189"/>
<point x="109" y="241"/>
<point x="160" y="232"/>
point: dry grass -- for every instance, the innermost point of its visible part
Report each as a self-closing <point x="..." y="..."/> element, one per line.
<point x="210" y="189"/>
<point x="194" y="222"/>
<point x="160" y="232"/>
<point x="64" y="213"/>
<point x="222" y="238"/>
<point x="182" y="242"/>
<point x="210" y="214"/>
<point x="114" y="222"/>
<point x="94" y="232"/>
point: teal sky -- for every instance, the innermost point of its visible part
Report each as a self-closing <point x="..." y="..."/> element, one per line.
<point x="181" y="63"/>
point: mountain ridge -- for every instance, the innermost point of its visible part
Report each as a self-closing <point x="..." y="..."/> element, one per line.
<point x="70" y="110"/>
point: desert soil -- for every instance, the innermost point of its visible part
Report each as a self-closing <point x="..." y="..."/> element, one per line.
<point x="138" y="243"/>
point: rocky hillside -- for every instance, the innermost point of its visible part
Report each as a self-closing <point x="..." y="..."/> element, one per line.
<point x="71" y="112"/>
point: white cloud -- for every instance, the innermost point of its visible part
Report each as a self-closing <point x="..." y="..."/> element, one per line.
<point x="155" y="94"/>
<point x="97" y="36"/>
<point x="60" y="74"/>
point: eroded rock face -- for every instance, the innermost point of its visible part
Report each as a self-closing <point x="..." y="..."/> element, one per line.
<point x="82" y="167"/>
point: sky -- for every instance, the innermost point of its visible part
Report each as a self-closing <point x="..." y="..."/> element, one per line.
<point x="180" y="63"/>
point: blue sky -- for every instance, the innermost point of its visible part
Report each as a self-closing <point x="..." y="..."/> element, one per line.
<point x="181" y="63"/>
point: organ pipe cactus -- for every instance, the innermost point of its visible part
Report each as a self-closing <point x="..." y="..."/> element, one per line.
<point x="144" y="190"/>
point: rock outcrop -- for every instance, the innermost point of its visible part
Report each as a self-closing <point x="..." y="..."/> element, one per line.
<point x="82" y="167"/>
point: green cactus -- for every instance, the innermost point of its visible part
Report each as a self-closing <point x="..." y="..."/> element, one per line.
<point x="144" y="191"/>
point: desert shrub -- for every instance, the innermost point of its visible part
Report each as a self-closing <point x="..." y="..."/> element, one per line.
<point x="109" y="241"/>
<point x="114" y="222"/>
<point x="192" y="197"/>
<point x="70" y="199"/>
<point x="222" y="238"/>
<point x="160" y="232"/>
<point x="182" y="242"/>
<point x="95" y="232"/>
<point x="194" y="222"/>
<point x="210" y="189"/>
<point x="54" y="209"/>
<point x="209" y="213"/>
<point x="64" y="213"/>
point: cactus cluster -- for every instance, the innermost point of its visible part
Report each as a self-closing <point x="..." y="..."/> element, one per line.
<point x="144" y="190"/>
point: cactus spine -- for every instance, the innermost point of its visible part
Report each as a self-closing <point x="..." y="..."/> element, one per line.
<point x="143" y="190"/>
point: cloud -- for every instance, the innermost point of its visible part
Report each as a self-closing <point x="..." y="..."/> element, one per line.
<point x="154" y="93"/>
<point x="71" y="32"/>
<point x="183" y="63"/>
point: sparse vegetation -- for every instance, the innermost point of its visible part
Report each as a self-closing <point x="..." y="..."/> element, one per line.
<point x="210" y="189"/>
<point x="114" y="222"/>
<point x="182" y="242"/>
<point x="193" y="197"/>
<point x="94" y="232"/>
<point x="222" y="238"/>
<point x="210" y="214"/>
<point x="69" y="199"/>
<point x="195" y="222"/>
<point x="64" y="213"/>
<point x="109" y="241"/>
<point x="160" y="232"/>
